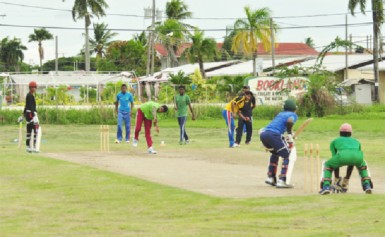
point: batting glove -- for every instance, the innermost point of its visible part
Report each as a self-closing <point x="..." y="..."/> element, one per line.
<point x="20" y="119"/>
<point x="290" y="140"/>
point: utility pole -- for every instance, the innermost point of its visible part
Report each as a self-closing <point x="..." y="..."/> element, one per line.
<point x="153" y="39"/>
<point x="56" y="54"/>
<point x="272" y="45"/>
<point x="346" y="48"/>
<point x="376" y="27"/>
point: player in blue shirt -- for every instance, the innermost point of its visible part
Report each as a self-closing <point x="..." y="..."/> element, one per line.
<point x="273" y="139"/>
<point x="125" y="102"/>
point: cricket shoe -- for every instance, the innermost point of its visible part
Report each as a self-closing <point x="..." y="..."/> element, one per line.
<point x="271" y="181"/>
<point x="187" y="142"/>
<point x="325" y="190"/>
<point x="117" y="141"/>
<point x="283" y="184"/>
<point x="151" y="151"/>
<point x="135" y="143"/>
<point x="367" y="189"/>
<point x="235" y="145"/>
<point x="128" y="141"/>
<point x="29" y="150"/>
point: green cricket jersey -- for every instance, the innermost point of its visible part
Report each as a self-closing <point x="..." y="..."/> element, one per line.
<point x="182" y="101"/>
<point x="147" y="109"/>
<point x="346" y="148"/>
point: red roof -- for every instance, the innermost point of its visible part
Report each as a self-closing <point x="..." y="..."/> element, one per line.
<point x="281" y="49"/>
<point x="289" y="49"/>
<point x="162" y="50"/>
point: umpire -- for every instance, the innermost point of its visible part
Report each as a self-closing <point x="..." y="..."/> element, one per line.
<point x="247" y="111"/>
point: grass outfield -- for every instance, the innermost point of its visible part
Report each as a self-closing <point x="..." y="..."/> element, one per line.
<point x="46" y="197"/>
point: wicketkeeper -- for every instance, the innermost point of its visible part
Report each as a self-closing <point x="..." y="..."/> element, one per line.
<point x="273" y="139"/>
<point x="346" y="151"/>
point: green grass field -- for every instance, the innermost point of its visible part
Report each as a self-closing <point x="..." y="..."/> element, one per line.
<point x="44" y="197"/>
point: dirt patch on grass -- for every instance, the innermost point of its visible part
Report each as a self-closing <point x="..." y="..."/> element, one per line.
<point x="222" y="172"/>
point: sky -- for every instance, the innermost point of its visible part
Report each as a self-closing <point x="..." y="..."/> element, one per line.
<point x="286" y="14"/>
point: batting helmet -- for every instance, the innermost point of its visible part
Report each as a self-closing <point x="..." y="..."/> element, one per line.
<point x="32" y="84"/>
<point x="346" y="128"/>
<point x="289" y="105"/>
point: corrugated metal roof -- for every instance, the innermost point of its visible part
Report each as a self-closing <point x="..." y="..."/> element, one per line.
<point x="335" y="63"/>
<point x="69" y="78"/>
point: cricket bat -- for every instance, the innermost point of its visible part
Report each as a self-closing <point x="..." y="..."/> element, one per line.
<point x="302" y="127"/>
<point x="293" y="152"/>
<point x="38" y="139"/>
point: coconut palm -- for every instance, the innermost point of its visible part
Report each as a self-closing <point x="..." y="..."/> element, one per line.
<point x="200" y="49"/>
<point x="11" y="53"/>
<point x="87" y="9"/>
<point x="309" y="42"/>
<point x="378" y="18"/>
<point x="178" y="10"/>
<point x="39" y="36"/>
<point x="252" y="30"/>
<point x="102" y="39"/>
<point x="171" y="34"/>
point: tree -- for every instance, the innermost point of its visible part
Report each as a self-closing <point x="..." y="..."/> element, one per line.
<point x="201" y="48"/>
<point x="124" y="56"/>
<point x="338" y="42"/>
<point x="180" y="78"/>
<point x="39" y="36"/>
<point x="11" y="53"/>
<point x="171" y="34"/>
<point x="309" y="42"/>
<point x="178" y="10"/>
<point x="102" y="39"/>
<point x="249" y="32"/>
<point x="87" y="9"/>
<point x="378" y="18"/>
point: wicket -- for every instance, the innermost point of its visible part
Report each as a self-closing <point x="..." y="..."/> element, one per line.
<point x="104" y="138"/>
<point x="311" y="178"/>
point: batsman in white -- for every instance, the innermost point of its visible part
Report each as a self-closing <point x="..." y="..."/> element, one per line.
<point x="31" y="118"/>
<point x="273" y="139"/>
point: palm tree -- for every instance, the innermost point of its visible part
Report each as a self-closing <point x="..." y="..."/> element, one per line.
<point x="309" y="42"/>
<point x="39" y="36"/>
<point x="249" y="31"/>
<point x="201" y="48"/>
<point x="11" y="53"/>
<point x="87" y="9"/>
<point x="171" y="34"/>
<point x="178" y="10"/>
<point x="378" y="18"/>
<point x="102" y="39"/>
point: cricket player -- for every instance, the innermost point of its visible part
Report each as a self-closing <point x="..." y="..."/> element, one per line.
<point x="229" y="114"/>
<point x="243" y="125"/>
<point x="346" y="150"/>
<point x="123" y="106"/>
<point x="31" y="118"/>
<point x="181" y="102"/>
<point x="147" y="114"/>
<point x="273" y="139"/>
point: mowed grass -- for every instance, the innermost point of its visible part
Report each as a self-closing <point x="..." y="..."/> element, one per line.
<point x="46" y="197"/>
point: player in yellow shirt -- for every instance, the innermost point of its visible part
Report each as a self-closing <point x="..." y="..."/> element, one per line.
<point x="229" y="114"/>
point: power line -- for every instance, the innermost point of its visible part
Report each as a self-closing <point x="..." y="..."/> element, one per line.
<point x="206" y="30"/>
<point x="192" y="18"/>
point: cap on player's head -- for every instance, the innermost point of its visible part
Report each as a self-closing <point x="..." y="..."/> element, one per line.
<point x="32" y="84"/>
<point x="246" y="87"/>
<point x="289" y="105"/>
<point x="346" y="130"/>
